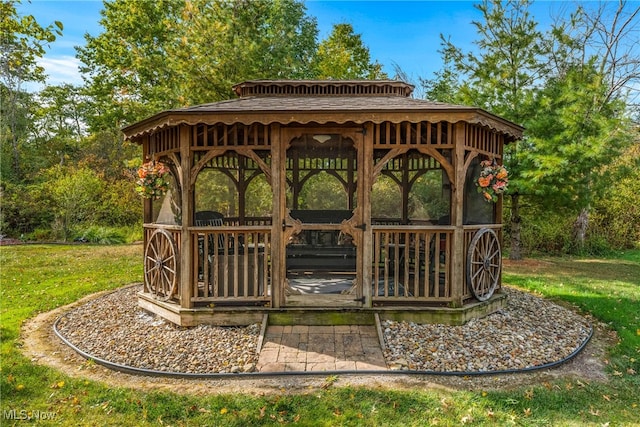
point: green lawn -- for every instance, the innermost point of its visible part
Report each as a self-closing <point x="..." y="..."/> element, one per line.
<point x="37" y="278"/>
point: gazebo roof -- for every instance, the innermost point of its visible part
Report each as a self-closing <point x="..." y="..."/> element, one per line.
<point x="321" y="102"/>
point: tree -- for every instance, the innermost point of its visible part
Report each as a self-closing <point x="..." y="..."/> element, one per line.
<point x="22" y="41"/>
<point x="222" y="43"/>
<point x="155" y="56"/>
<point x="125" y="68"/>
<point x="604" y="50"/>
<point x="569" y="88"/>
<point x="445" y="86"/>
<point x="501" y="77"/>
<point x="610" y="35"/>
<point x="343" y="55"/>
<point x="76" y="195"/>
<point x="58" y="128"/>
<point x="572" y="144"/>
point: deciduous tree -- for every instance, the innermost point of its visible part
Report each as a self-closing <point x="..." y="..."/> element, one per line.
<point x="22" y="42"/>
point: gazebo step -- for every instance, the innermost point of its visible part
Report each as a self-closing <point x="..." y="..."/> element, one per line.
<point x="321" y="317"/>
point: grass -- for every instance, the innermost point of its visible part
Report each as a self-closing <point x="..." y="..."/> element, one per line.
<point x="37" y="278"/>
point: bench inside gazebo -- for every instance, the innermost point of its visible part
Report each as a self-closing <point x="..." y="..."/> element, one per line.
<point x="322" y="201"/>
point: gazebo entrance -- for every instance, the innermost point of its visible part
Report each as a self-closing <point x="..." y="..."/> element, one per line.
<point x="323" y="226"/>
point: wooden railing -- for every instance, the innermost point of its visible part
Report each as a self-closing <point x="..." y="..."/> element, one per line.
<point x="250" y="221"/>
<point x="231" y="264"/>
<point x="412" y="263"/>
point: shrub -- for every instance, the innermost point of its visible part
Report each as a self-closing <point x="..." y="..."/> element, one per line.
<point x="24" y="208"/>
<point x="100" y="235"/>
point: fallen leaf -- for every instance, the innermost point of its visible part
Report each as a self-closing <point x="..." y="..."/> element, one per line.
<point x="223" y="411"/>
<point x="20" y="387"/>
<point x="593" y="412"/>
<point x="528" y="394"/>
<point x="527" y="412"/>
<point x="607" y="398"/>
<point x="445" y="403"/>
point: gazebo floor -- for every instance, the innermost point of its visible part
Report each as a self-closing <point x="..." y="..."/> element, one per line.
<point x="245" y="315"/>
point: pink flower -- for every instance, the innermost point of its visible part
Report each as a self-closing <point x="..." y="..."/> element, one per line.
<point x="499" y="186"/>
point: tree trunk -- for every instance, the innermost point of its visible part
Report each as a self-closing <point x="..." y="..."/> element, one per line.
<point x="580" y="228"/>
<point x="516" y="244"/>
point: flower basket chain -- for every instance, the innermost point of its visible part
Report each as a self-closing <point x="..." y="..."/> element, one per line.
<point x="153" y="180"/>
<point x="493" y="180"/>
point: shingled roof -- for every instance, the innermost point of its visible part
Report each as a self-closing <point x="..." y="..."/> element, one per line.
<point x="322" y="101"/>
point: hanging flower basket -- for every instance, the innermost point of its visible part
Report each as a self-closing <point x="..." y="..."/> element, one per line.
<point x="493" y="180"/>
<point x="153" y="180"/>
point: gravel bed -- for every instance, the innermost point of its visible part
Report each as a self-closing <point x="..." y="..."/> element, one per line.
<point x="115" y="329"/>
<point x="529" y="332"/>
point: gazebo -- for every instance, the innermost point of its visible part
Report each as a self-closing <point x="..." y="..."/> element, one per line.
<point x="322" y="201"/>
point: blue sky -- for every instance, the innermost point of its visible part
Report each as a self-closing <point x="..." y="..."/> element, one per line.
<point x="406" y="33"/>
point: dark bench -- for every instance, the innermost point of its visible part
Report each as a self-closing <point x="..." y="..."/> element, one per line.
<point x="321" y="250"/>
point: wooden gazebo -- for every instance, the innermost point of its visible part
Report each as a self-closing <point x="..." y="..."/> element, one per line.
<point x="305" y="197"/>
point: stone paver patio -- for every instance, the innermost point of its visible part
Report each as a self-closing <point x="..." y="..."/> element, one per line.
<point x="321" y="348"/>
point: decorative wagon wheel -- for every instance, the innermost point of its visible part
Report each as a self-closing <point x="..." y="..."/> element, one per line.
<point x="161" y="265"/>
<point x="484" y="261"/>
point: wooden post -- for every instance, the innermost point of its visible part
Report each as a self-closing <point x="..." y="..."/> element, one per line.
<point x="404" y="158"/>
<point x="365" y="182"/>
<point x="242" y="188"/>
<point x="186" y="251"/>
<point x="147" y="204"/>
<point x="457" y="271"/>
<point x="278" y="186"/>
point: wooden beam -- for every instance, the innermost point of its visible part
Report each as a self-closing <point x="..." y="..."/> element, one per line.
<point x="457" y="270"/>
<point x="278" y="187"/>
<point x="186" y="251"/>
<point x="365" y="183"/>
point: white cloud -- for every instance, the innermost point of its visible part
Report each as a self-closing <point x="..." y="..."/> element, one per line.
<point x="61" y="69"/>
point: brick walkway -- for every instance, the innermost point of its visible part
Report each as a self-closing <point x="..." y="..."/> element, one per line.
<point x="321" y="348"/>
